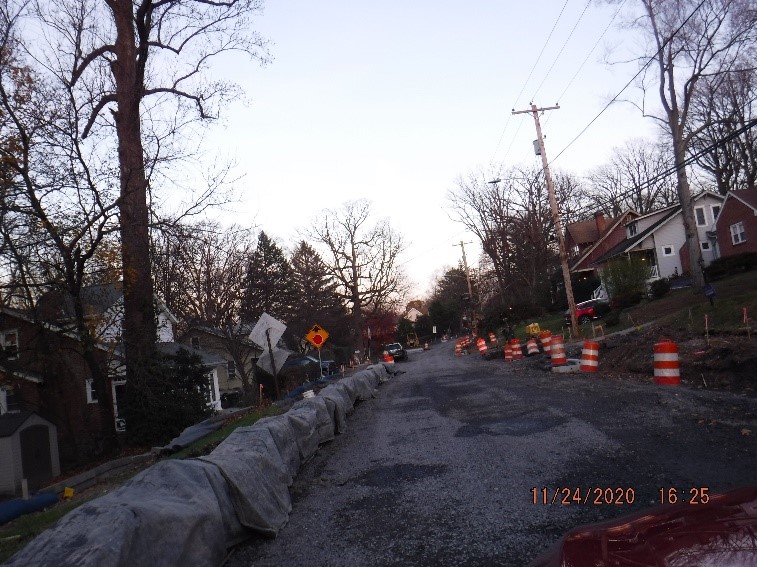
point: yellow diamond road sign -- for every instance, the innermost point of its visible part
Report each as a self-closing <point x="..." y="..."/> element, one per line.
<point x="317" y="336"/>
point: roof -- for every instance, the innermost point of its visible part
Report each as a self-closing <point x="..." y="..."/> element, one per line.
<point x="610" y="227"/>
<point x="173" y="349"/>
<point x="583" y="232"/>
<point x="10" y="422"/>
<point x="628" y="243"/>
<point x="746" y="196"/>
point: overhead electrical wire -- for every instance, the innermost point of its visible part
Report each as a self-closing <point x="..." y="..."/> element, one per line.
<point x="525" y="83"/>
<point x="639" y="72"/>
<point x="562" y="49"/>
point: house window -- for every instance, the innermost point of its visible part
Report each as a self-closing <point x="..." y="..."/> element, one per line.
<point x="704" y="246"/>
<point x="668" y="250"/>
<point x="196" y="343"/>
<point x="715" y="212"/>
<point x="8" y="401"/>
<point x="632" y="229"/>
<point x="699" y="215"/>
<point x="9" y="340"/>
<point x="231" y="369"/>
<point x="737" y="233"/>
<point x="91" y="392"/>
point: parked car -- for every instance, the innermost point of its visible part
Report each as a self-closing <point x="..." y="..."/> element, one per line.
<point x="587" y="311"/>
<point x="396" y="350"/>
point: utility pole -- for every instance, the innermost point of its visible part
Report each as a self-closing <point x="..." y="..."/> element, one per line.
<point x="555" y="213"/>
<point x="467" y="277"/>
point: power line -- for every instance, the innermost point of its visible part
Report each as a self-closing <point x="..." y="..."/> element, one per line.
<point x="559" y="53"/>
<point x="639" y="72"/>
<point x="523" y="88"/>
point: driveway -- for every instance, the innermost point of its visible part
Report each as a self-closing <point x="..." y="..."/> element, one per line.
<point x="464" y="461"/>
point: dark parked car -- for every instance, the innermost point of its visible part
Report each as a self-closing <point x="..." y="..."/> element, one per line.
<point x="397" y="351"/>
<point x="587" y="311"/>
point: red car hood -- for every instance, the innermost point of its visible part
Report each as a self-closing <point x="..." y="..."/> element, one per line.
<point x="722" y="533"/>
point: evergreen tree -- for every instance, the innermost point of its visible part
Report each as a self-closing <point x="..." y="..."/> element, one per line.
<point x="269" y="284"/>
<point x="316" y="297"/>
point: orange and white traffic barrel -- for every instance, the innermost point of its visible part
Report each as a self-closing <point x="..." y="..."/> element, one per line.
<point x="458" y="349"/>
<point x="481" y="346"/>
<point x="531" y="347"/>
<point x="388" y="358"/>
<point x="546" y="339"/>
<point x="557" y="351"/>
<point x="590" y="356"/>
<point x="493" y="338"/>
<point x="508" y="353"/>
<point x="667" y="369"/>
<point x="517" y="350"/>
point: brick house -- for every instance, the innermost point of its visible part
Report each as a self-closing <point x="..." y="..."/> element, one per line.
<point x="736" y="226"/>
<point x="44" y="371"/>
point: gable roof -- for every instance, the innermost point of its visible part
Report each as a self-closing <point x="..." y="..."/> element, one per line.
<point x="628" y="243"/>
<point x="746" y="196"/>
<point x="583" y="232"/>
<point x="10" y="422"/>
<point x="612" y="225"/>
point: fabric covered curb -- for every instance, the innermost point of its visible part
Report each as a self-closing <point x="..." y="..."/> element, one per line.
<point x="189" y="512"/>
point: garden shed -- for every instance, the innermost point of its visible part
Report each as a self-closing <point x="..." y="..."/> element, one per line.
<point x="28" y="449"/>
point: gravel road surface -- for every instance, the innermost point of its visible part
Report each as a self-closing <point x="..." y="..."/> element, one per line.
<point x="462" y="461"/>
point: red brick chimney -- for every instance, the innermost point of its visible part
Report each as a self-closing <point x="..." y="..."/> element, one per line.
<point x="601" y="222"/>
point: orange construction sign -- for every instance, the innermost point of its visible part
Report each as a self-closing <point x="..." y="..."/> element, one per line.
<point x="317" y="336"/>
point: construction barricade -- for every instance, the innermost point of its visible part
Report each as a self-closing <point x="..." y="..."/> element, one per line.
<point x="517" y="350"/>
<point x="546" y="339"/>
<point x="531" y="347"/>
<point x="590" y="356"/>
<point x="557" y="351"/>
<point x="666" y="365"/>
<point x="481" y="346"/>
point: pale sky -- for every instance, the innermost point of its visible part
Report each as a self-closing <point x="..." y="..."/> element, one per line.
<point x="393" y="100"/>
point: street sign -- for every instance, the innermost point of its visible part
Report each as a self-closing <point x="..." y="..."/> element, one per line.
<point x="267" y="329"/>
<point x="317" y="336"/>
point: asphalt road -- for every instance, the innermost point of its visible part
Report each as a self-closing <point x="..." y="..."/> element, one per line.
<point x="444" y="466"/>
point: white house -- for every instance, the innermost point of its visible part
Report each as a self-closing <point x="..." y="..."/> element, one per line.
<point x="659" y="239"/>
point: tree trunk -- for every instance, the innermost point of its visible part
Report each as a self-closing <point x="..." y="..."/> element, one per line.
<point x="687" y="209"/>
<point x="139" y="327"/>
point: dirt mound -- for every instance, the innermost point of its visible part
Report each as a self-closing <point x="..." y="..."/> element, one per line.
<point x="722" y="362"/>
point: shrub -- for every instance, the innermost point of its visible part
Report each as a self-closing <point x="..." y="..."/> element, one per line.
<point x="171" y="393"/>
<point x="658" y="288"/>
<point x="728" y="265"/>
<point x="625" y="280"/>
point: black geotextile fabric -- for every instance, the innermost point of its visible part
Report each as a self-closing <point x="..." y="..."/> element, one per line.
<point x="189" y="512"/>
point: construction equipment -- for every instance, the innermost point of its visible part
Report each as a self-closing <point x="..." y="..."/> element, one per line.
<point x="412" y="341"/>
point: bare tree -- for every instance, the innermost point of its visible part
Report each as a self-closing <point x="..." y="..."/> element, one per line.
<point x="691" y="40"/>
<point x="363" y="258"/>
<point x="513" y="221"/>
<point x="57" y="205"/>
<point x="199" y="270"/>
<point x="638" y="177"/>
<point x="726" y="145"/>
<point x="116" y="55"/>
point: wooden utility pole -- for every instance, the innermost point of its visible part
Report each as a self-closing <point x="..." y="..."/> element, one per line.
<point x="467" y="277"/>
<point x="555" y="214"/>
